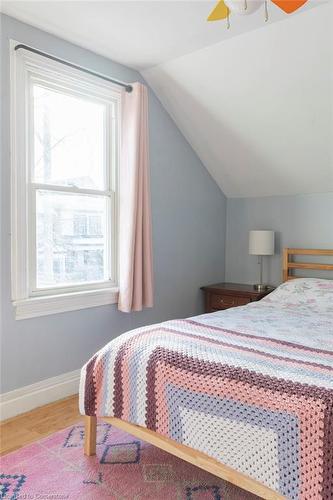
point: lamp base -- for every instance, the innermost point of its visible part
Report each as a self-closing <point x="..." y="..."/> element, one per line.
<point x="260" y="287"/>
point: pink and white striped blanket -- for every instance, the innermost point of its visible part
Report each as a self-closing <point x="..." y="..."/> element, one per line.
<point x="251" y="387"/>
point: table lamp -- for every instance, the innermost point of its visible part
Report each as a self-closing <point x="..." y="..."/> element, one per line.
<point x="261" y="243"/>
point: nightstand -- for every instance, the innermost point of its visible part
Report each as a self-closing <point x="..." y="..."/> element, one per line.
<point x="225" y="295"/>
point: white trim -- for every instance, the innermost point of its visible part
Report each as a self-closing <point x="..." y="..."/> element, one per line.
<point x="31" y="396"/>
<point x="30" y="302"/>
<point x="53" y="304"/>
<point x="19" y="212"/>
<point x="70" y="189"/>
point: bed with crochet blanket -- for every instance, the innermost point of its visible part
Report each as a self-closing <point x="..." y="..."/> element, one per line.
<point x="250" y="388"/>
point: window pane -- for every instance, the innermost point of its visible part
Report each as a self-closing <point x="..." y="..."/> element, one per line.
<point x="71" y="238"/>
<point x="68" y="140"/>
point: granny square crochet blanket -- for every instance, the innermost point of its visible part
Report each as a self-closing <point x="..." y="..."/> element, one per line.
<point x="251" y="387"/>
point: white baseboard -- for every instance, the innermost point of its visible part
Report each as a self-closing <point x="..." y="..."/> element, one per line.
<point x="31" y="396"/>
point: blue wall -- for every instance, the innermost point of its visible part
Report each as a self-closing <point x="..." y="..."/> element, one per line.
<point x="188" y="229"/>
<point x="302" y="221"/>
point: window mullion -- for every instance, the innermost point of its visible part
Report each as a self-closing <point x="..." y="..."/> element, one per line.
<point x="70" y="189"/>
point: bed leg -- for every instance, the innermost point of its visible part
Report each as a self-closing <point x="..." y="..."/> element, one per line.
<point x="90" y="424"/>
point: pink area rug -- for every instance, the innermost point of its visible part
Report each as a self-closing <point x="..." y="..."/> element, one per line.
<point x="123" y="469"/>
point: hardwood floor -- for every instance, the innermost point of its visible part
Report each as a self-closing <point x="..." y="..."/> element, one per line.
<point x="36" y="424"/>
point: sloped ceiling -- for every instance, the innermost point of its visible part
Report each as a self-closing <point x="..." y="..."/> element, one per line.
<point x="255" y="102"/>
<point x="258" y="108"/>
<point x="138" y="33"/>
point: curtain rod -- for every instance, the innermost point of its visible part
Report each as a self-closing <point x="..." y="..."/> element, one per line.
<point x="126" y="86"/>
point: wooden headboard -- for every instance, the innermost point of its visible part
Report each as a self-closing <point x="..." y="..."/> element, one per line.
<point x="288" y="263"/>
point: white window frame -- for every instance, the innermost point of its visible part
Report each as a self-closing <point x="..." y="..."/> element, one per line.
<point x="28" y="301"/>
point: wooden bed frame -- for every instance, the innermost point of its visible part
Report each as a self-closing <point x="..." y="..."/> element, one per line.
<point x="289" y="264"/>
<point x="186" y="453"/>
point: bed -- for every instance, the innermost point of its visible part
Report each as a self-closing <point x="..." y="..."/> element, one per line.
<point x="245" y="393"/>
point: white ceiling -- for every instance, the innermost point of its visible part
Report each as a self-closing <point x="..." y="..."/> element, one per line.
<point x="139" y="34"/>
<point x="257" y="108"/>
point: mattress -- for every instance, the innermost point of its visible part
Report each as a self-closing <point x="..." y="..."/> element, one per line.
<point x="250" y="386"/>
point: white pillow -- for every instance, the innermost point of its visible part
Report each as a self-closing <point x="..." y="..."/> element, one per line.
<point x="313" y="293"/>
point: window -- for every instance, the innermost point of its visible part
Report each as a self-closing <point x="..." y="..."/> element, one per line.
<point x="64" y="187"/>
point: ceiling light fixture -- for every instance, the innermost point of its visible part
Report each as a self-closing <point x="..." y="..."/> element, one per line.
<point x="224" y="8"/>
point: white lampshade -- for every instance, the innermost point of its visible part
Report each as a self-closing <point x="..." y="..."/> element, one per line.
<point x="261" y="243"/>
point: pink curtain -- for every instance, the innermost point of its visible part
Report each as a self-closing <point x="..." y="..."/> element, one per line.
<point x="135" y="245"/>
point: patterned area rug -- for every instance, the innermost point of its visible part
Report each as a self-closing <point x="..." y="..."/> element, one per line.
<point x="123" y="469"/>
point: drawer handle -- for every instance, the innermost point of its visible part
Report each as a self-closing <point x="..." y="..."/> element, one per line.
<point x="228" y="303"/>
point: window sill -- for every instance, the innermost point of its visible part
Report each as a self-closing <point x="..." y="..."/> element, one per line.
<point x="53" y="304"/>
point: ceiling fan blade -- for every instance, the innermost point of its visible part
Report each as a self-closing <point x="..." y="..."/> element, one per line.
<point x="219" y="12"/>
<point x="289" y="6"/>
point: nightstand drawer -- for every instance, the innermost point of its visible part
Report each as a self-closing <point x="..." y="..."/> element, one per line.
<point x="226" y="301"/>
<point x="225" y="295"/>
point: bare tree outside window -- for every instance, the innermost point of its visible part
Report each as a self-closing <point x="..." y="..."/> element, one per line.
<point x="69" y="151"/>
